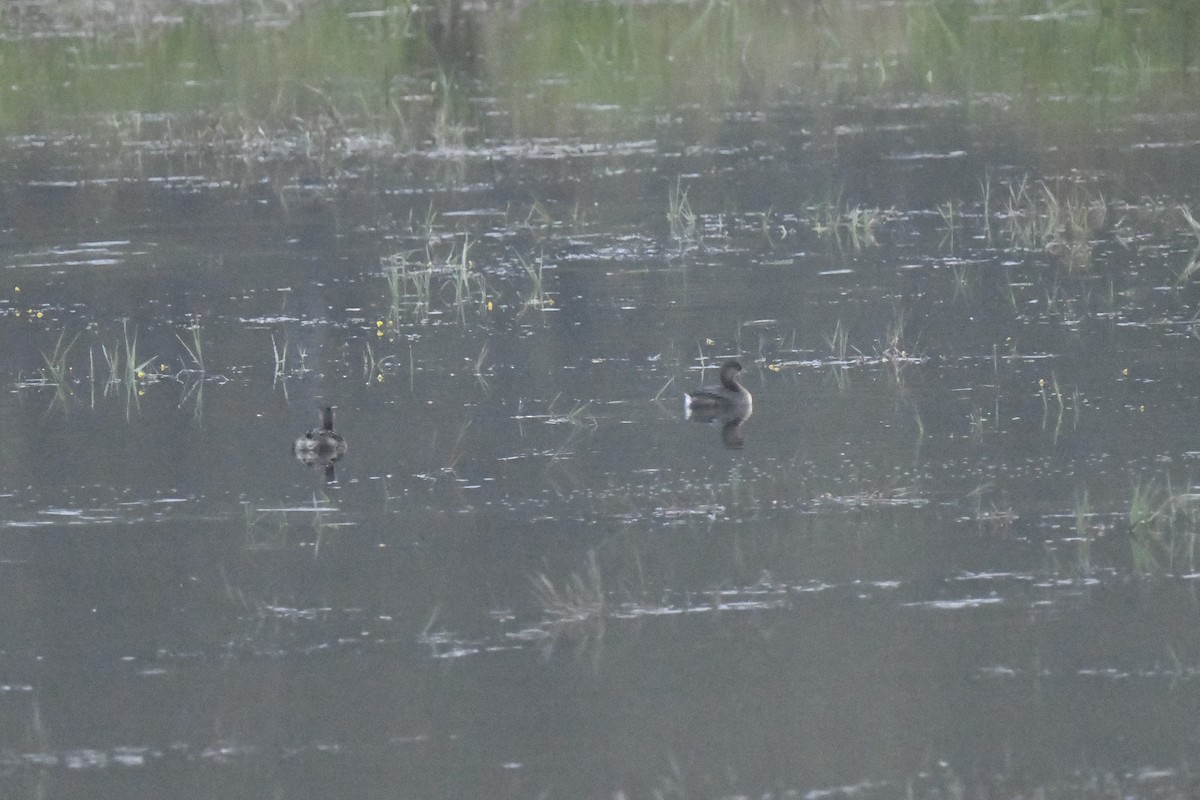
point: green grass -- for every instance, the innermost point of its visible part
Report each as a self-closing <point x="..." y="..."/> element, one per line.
<point x="195" y="350"/>
<point x="537" y="297"/>
<point x="1163" y="526"/>
<point x="405" y="78"/>
<point x="56" y="365"/>
<point x="469" y="284"/>
<point x="135" y="370"/>
<point x="453" y="279"/>
<point x="1060" y="218"/>
<point x="1147" y="528"/>
<point x="395" y="272"/>
<point x="127" y="372"/>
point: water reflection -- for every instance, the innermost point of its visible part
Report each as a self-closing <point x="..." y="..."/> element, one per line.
<point x="322" y="445"/>
<point x="732" y="435"/>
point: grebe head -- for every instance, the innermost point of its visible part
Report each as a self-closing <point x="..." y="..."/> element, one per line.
<point x="729" y="375"/>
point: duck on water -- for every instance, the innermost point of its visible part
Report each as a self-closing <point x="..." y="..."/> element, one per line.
<point x="727" y="398"/>
<point x="322" y="445"/>
<point x="728" y="403"/>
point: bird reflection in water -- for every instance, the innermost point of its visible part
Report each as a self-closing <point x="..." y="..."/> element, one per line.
<point x="732" y="435"/>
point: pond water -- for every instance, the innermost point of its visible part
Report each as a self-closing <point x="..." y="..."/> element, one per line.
<point x="950" y="554"/>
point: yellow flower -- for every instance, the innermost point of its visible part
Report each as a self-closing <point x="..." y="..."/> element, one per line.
<point x="39" y="315"/>
<point x="141" y="374"/>
<point x="378" y="323"/>
<point x="489" y="305"/>
<point x="379" y="378"/>
<point x="379" y="333"/>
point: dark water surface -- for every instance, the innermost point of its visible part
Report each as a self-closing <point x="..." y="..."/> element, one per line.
<point x="951" y="553"/>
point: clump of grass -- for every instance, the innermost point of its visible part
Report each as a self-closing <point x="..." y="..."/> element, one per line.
<point x="195" y="350"/>
<point x="466" y="280"/>
<point x="1162" y="528"/>
<point x="1060" y="219"/>
<point x="681" y="217"/>
<point x="538" y="218"/>
<point x="479" y="367"/>
<point x="578" y="421"/>
<point x="951" y="215"/>
<point x="838" y="342"/>
<point x="894" y="351"/>
<point x="416" y="285"/>
<point x="861" y="225"/>
<point x="1146" y="528"/>
<point x="56" y="364"/>
<point x="978" y="421"/>
<point x="537" y="297"/>
<point x="193" y="376"/>
<point x="857" y="226"/>
<point x="993" y="515"/>
<point x="961" y="278"/>
<point x="578" y="601"/>
<point x="422" y="280"/>
<point x="395" y="272"/>
<point x="406" y="284"/>
<point x="449" y="133"/>
<point x="113" y="359"/>
<point x="135" y="371"/>
<point x="1194" y="263"/>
